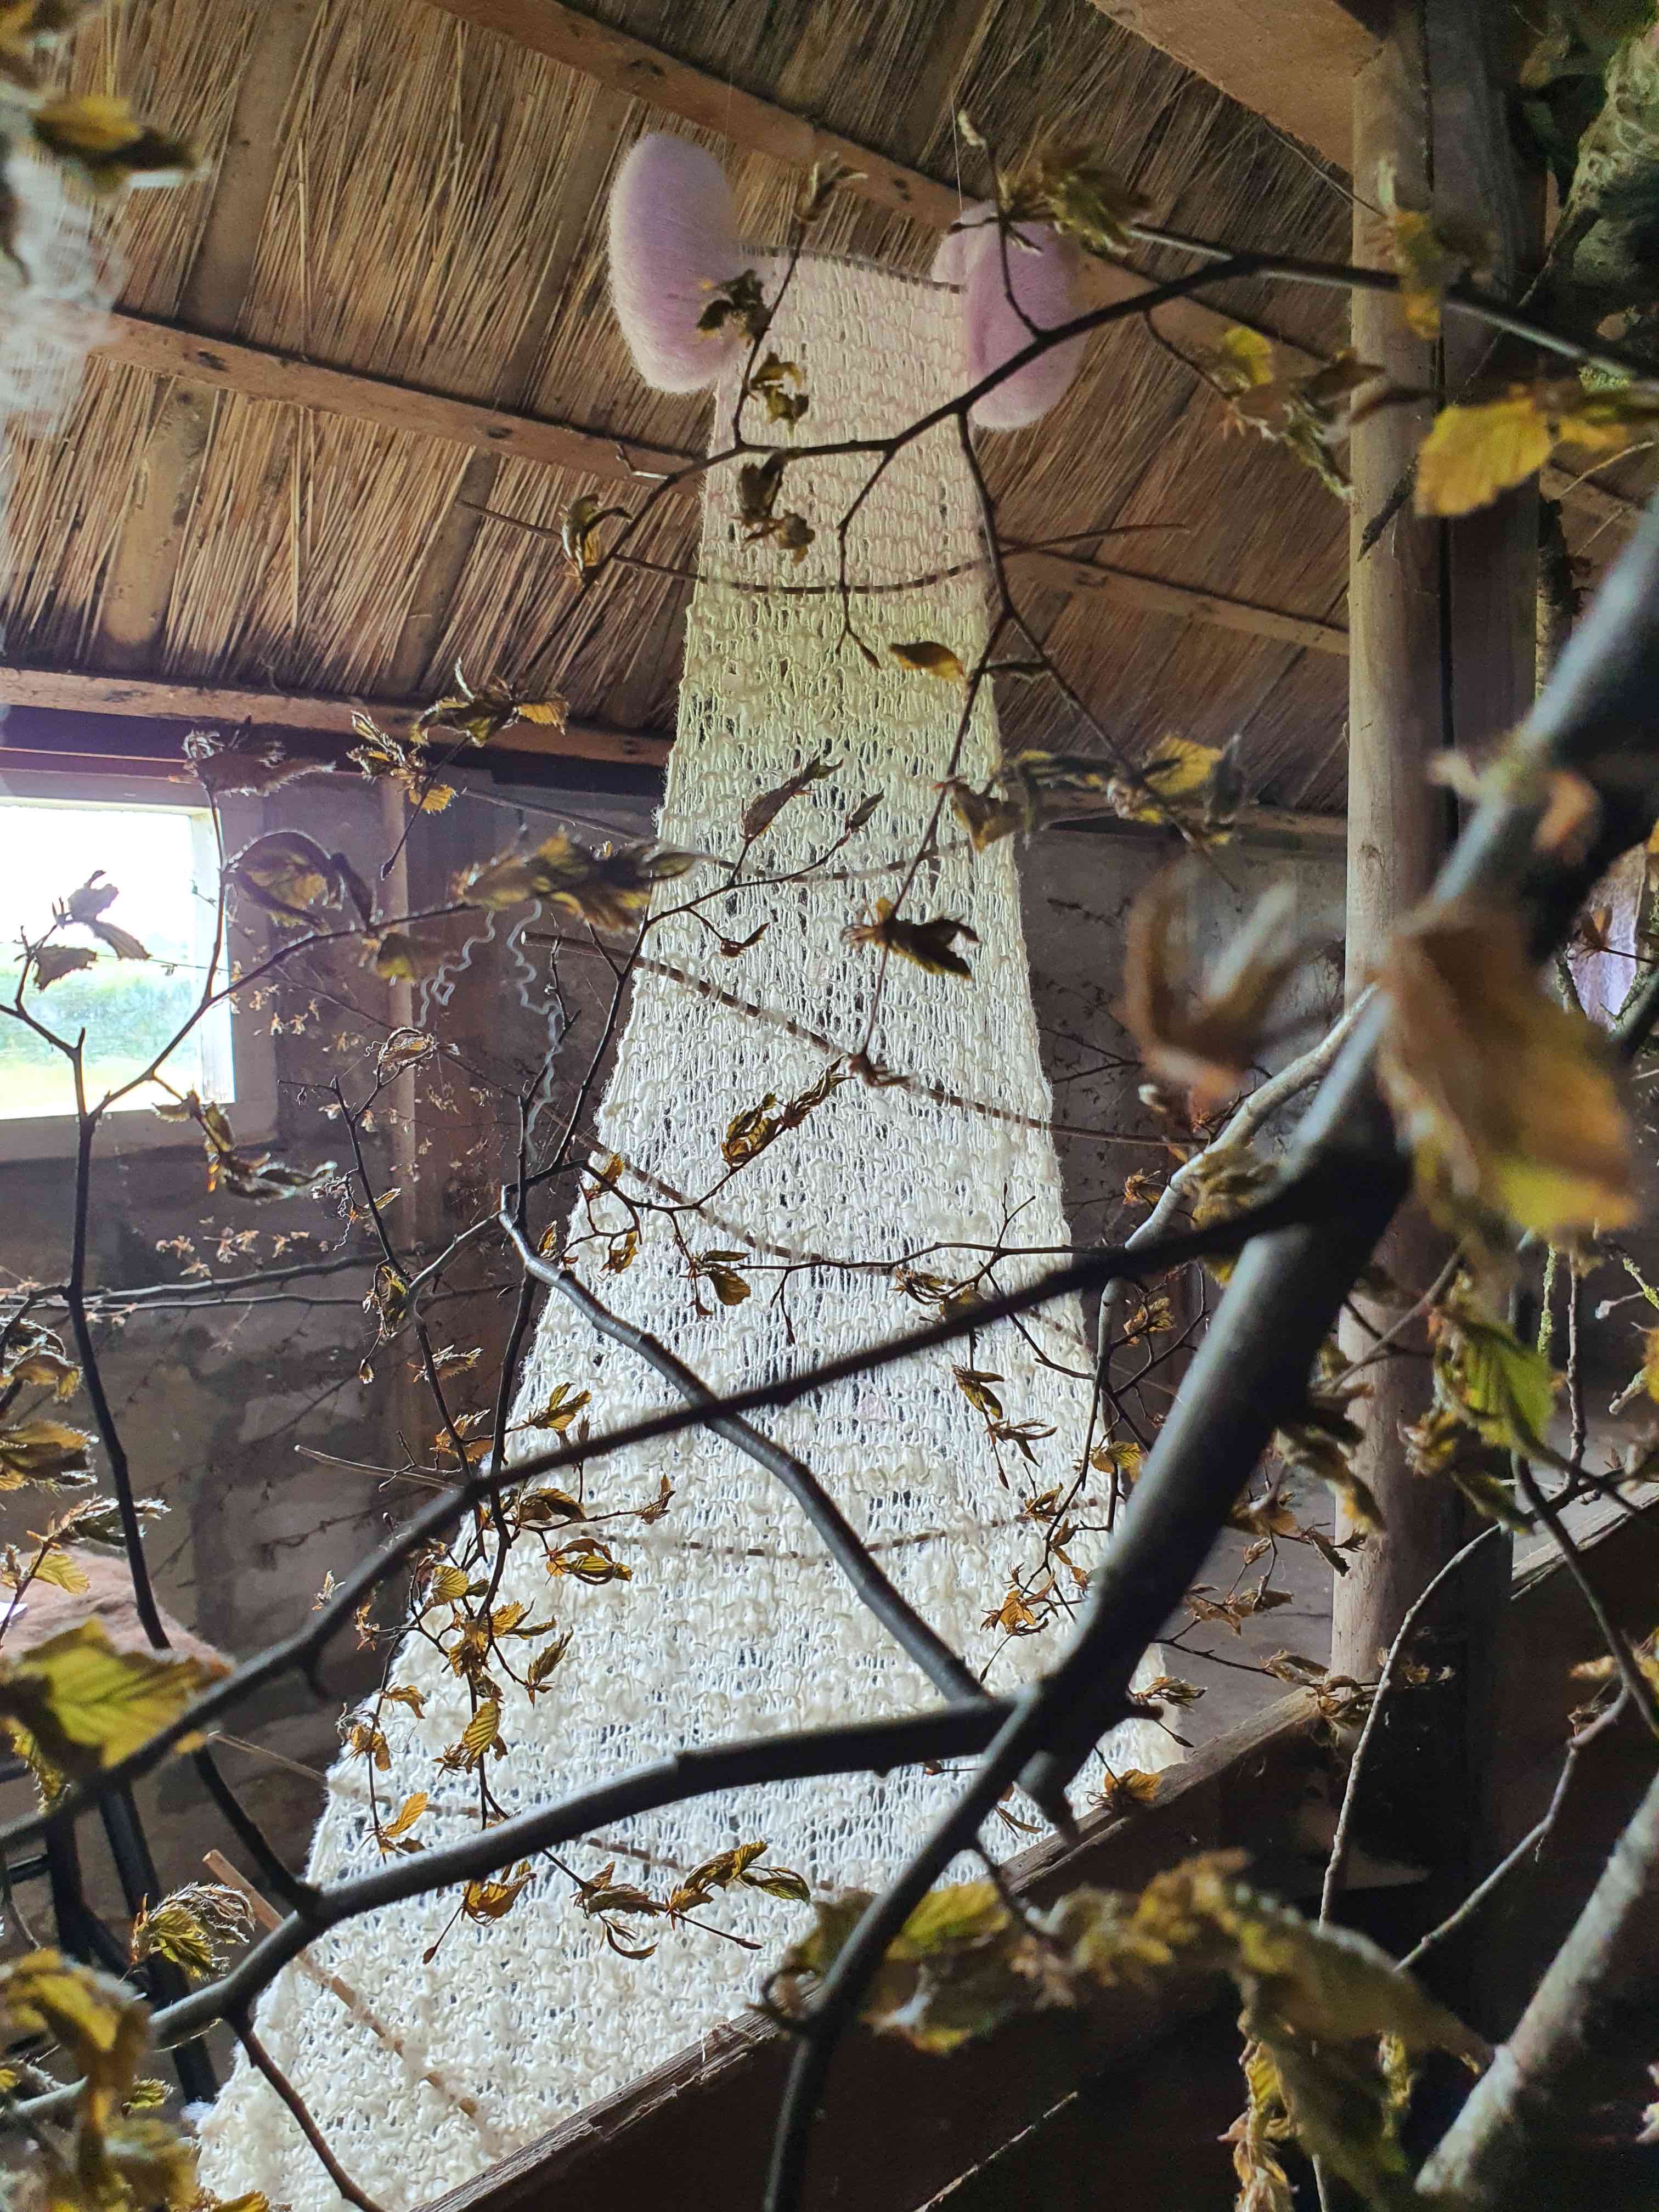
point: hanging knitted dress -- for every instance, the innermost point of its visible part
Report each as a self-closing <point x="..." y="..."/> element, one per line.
<point x="733" y="1621"/>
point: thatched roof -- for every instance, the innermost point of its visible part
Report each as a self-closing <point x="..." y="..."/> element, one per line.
<point x="434" y="218"/>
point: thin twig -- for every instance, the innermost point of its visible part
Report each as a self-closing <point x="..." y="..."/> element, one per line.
<point x="1336" y="1867"/>
<point x="242" y="2025"/>
<point x="942" y="1666"/>
<point x="1528" y="1844"/>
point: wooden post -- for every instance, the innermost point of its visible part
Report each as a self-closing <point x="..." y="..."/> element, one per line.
<point x="1441" y="624"/>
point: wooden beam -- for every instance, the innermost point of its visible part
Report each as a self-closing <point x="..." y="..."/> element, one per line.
<point x="1291" y="61"/>
<point x="316" y="716"/>
<point x="954" y="37"/>
<point x="627" y="64"/>
<point x="754" y="125"/>
<point x="87" y="692"/>
<point x="899" y="2128"/>
<point x="696" y="2129"/>
<point x="713" y="103"/>
<point x="260" y="373"/>
<point x="1186" y="602"/>
<point x="138" y="586"/>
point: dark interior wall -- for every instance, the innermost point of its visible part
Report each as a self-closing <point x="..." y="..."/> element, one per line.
<point x="1078" y="890"/>
<point x="224" y="1409"/>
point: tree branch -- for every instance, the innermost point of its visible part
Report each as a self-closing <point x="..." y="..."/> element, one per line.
<point x="1521" y="2119"/>
<point x="1299" y="1198"/>
<point x="942" y="1667"/>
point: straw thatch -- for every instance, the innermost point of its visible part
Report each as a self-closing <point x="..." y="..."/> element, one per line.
<point x="437" y="217"/>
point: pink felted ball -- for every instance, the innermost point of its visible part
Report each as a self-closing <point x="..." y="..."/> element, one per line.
<point x="673" y="240"/>
<point x="1043" y="280"/>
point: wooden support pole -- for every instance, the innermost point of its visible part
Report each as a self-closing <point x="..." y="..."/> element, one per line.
<point x="1441" y="621"/>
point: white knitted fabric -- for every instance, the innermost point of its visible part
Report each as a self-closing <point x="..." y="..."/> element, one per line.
<point x="734" y="1623"/>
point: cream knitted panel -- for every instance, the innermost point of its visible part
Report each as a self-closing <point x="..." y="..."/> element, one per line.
<point x="733" y="1622"/>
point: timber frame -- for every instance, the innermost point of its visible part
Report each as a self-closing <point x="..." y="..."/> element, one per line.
<point x="197" y="355"/>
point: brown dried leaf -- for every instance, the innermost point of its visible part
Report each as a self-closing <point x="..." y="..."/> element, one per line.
<point x="1507" y="1100"/>
<point x="1202" y="1037"/>
<point x="929" y="945"/>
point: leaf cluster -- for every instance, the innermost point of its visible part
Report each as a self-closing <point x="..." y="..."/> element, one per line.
<point x="1318" y="1999"/>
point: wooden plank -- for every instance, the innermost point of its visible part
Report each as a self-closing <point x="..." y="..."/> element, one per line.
<point x="1243" y="48"/>
<point x="695" y="2131"/>
<point x="135" y="704"/>
<point x="1186" y="603"/>
<point x="138" y="586"/>
<point x="260" y="373"/>
<point x="645" y="72"/>
<point x="501" y="434"/>
<point x="89" y="692"/>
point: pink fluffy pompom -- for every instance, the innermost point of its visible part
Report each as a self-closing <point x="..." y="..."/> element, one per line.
<point x="1040" y="274"/>
<point x="673" y="239"/>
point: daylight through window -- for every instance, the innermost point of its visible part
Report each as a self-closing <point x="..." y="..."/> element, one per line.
<point x="163" y="861"/>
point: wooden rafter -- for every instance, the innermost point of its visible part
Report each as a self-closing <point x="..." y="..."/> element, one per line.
<point x="676" y="88"/>
<point x="261" y="373"/>
<point x="82" y="692"/>
<point x="324" y="721"/>
<point x="201" y="362"/>
<point x="1242" y="47"/>
<point x="761" y="126"/>
<point x="138" y="587"/>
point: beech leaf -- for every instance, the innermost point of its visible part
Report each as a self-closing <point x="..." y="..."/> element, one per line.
<point x="1508" y="1101"/>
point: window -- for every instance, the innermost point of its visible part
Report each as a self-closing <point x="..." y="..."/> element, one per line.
<point x="162" y="856"/>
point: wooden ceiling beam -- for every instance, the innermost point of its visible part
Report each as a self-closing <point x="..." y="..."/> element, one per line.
<point x="645" y="72"/>
<point x="316" y="716"/>
<point x="1291" y="61"/>
<point x="565" y="35"/>
<point x="82" y="691"/>
<point x="754" y="125"/>
<point x="260" y="373"/>
<point x="137" y="588"/>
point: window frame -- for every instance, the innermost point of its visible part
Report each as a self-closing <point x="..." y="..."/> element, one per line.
<point x="254" y="1061"/>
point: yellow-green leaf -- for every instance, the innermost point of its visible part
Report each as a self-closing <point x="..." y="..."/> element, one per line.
<point x="87" y="1705"/>
<point x="1507" y="1100"/>
<point x="1473" y="453"/>
<point x="405" y="1817"/>
<point x="929" y="945"/>
<point x="99" y="133"/>
<point x="44" y="1451"/>
<point x="480" y="1731"/>
<point x="929" y="657"/>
